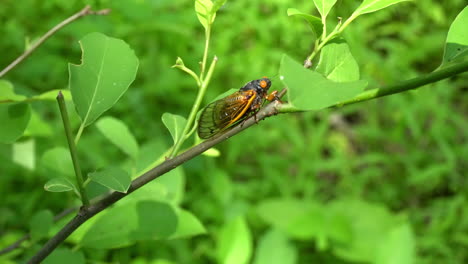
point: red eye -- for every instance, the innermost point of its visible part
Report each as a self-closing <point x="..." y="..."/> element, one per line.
<point x="263" y="84"/>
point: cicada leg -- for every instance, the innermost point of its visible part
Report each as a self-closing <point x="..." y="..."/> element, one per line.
<point x="273" y="96"/>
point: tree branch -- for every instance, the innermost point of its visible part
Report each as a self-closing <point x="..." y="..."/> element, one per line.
<point x="271" y="109"/>
<point x="87" y="212"/>
<point x="84" y="12"/>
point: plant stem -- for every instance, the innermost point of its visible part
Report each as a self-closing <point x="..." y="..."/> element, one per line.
<point x="84" y="12"/>
<point x="409" y="84"/>
<point x="205" y="52"/>
<point x="72" y="147"/>
<point x="195" y="107"/>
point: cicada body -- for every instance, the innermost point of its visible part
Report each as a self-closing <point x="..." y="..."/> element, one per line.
<point x="223" y="113"/>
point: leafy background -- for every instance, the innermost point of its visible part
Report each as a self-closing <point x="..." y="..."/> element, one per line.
<point x="377" y="182"/>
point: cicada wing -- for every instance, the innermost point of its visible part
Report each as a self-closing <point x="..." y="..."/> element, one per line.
<point x="222" y="113"/>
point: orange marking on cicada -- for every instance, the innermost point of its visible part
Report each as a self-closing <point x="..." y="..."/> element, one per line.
<point x="249" y="102"/>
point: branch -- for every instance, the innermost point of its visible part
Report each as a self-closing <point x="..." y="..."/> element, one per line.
<point x="84" y="12"/>
<point x="409" y="84"/>
<point x="86" y="213"/>
<point x="271" y="109"/>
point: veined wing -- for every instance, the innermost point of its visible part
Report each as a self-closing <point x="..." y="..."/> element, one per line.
<point x="222" y="113"/>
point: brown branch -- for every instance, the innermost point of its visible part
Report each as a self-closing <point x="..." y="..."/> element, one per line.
<point x="84" y="12"/>
<point x="86" y="213"/>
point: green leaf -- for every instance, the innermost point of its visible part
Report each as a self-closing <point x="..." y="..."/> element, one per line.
<point x="52" y="95"/>
<point x="125" y="224"/>
<point x="324" y="6"/>
<point x="274" y="248"/>
<point x="235" y="243"/>
<point x="217" y="5"/>
<point x="314" y="22"/>
<point x="309" y="90"/>
<point x="299" y="219"/>
<point x="175" y="124"/>
<point x="369" y="6"/>
<point x="337" y="63"/>
<point x="7" y="94"/>
<point x="188" y="226"/>
<point x="59" y="161"/>
<point x="14" y="118"/>
<point x="24" y="154"/>
<point x="37" y="127"/>
<point x="204" y="8"/>
<point x="113" y="178"/>
<point x="60" y="185"/>
<point x="369" y="224"/>
<point x="456" y="45"/>
<point x="156" y="220"/>
<point x="65" y="255"/>
<point x="118" y="133"/>
<point x="398" y="246"/>
<point x="221" y="186"/>
<point x="40" y="224"/>
<point x="174" y="181"/>
<point x="108" y="67"/>
<point x="212" y="152"/>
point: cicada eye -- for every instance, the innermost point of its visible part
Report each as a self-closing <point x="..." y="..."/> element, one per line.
<point x="263" y="84"/>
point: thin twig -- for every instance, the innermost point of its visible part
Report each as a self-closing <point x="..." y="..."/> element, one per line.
<point x="84" y="12"/>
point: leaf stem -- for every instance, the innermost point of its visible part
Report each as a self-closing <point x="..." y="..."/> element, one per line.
<point x="72" y="147"/>
<point x="205" y="52"/>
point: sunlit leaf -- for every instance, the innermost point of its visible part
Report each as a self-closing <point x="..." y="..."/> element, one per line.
<point x="118" y="133"/>
<point x="113" y="178"/>
<point x="188" y="225"/>
<point x="324" y="6"/>
<point x="204" y="8"/>
<point x="52" y="95"/>
<point x="456" y="45"/>
<point x="108" y="67"/>
<point x="309" y="90"/>
<point x="212" y="152"/>
<point x="284" y="251"/>
<point x="337" y="63"/>
<point x="15" y="118"/>
<point x="369" y="6"/>
<point x="235" y="242"/>
<point x="314" y="22"/>
<point x="24" y="153"/>
<point x="175" y="124"/>
<point x="398" y="246"/>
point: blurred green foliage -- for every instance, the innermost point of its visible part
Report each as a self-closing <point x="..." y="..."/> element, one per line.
<point x="386" y="177"/>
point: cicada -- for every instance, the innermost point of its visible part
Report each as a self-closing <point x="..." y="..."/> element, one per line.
<point x="223" y="113"/>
